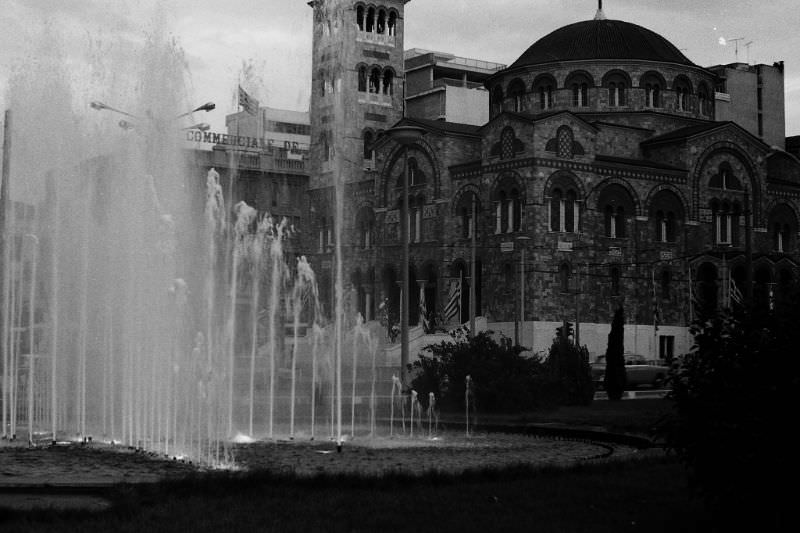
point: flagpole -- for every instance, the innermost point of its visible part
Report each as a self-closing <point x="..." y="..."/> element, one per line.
<point x="473" y="281"/>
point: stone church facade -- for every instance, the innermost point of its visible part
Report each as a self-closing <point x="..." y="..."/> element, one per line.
<point x="601" y="179"/>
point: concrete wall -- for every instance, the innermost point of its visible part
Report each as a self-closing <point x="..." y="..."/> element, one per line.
<point x="467" y="106"/>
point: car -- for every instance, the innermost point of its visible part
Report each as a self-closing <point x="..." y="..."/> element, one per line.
<point x="638" y="372"/>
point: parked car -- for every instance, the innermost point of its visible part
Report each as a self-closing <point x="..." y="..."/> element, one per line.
<point x="638" y="371"/>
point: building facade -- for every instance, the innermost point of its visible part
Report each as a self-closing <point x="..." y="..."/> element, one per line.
<point x="602" y="178"/>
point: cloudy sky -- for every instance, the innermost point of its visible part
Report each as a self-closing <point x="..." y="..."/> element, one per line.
<point x="268" y="42"/>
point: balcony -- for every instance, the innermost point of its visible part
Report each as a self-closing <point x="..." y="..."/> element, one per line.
<point x="375" y="98"/>
<point x="376" y="38"/>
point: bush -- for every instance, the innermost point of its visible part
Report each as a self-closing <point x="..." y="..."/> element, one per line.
<point x="504" y="379"/>
<point x="615" y="376"/>
<point x="734" y="397"/>
<point x="568" y="370"/>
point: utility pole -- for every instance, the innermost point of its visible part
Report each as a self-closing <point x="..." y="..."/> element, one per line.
<point x="4" y="257"/>
<point x="748" y="247"/>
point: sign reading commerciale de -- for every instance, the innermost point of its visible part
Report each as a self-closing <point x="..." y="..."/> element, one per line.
<point x="242" y="141"/>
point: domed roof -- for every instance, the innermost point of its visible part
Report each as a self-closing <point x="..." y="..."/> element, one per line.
<point x="601" y="39"/>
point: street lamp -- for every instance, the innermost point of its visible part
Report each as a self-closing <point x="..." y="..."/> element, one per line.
<point x="126" y="125"/>
<point x="405" y="136"/>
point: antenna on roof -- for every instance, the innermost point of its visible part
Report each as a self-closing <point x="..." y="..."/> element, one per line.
<point x="747" y="46"/>
<point x="736" y="46"/>
<point x="599" y="15"/>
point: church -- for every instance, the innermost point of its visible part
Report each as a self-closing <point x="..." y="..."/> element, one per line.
<point x="612" y="172"/>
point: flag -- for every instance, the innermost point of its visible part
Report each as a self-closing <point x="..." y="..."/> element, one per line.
<point x="736" y="294"/>
<point x="656" y="311"/>
<point x="453" y="306"/>
<point x="423" y="311"/>
<point x="249" y="103"/>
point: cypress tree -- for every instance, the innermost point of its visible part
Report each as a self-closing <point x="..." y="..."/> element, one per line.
<point x="615" y="377"/>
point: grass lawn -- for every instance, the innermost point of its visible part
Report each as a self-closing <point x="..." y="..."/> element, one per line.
<point x="647" y="493"/>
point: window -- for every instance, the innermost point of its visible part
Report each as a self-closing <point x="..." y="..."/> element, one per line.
<point x="666" y="347"/>
<point x="360" y="17"/>
<point x="464" y="212"/>
<point x="565" y="142"/>
<point x="653" y="85"/>
<point x="683" y="88"/>
<point x="370" y="26"/>
<point x="580" y="94"/>
<point x="516" y="92"/>
<point x="564" y="273"/>
<point x="392" y="27"/>
<point x="616" y="94"/>
<point x="388" y="77"/>
<point x="615" y="221"/>
<point x="725" y="179"/>
<point x="381" y="26"/>
<point x="415" y="207"/>
<point x="782" y="224"/>
<point x="564" y="211"/>
<point x="362" y="79"/>
<point x="665" y="226"/>
<point x="543" y="87"/>
<point x="703" y="100"/>
<point x="497" y="101"/>
<point x="507" y="209"/>
<point x="365" y="226"/>
<point x="725" y="218"/>
<point x="368" y="138"/>
<point x="666" y="210"/>
<point x="374" y="81"/>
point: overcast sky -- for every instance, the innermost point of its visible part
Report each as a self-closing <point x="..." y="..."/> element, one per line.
<point x="268" y="42"/>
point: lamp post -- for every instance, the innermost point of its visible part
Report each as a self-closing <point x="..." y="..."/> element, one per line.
<point x="126" y="125"/>
<point x="405" y="136"/>
<point x="522" y="239"/>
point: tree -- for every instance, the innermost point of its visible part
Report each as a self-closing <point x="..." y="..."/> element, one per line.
<point x="735" y="397"/>
<point x="615" y="376"/>
<point x="568" y="367"/>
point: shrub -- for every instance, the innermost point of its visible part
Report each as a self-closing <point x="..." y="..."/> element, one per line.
<point x="615" y="376"/>
<point x="503" y="378"/>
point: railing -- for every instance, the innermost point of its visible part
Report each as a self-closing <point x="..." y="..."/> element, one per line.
<point x="379" y="38"/>
<point x="375" y="98"/>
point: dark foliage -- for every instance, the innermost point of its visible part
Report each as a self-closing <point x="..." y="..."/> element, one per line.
<point x="504" y="380"/>
<point x="568" y="369"/>
<point x="735" y="399"/>
<point x="615" y="377"/>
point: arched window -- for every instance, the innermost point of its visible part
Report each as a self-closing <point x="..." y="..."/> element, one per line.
<point x="392" y="25"/>
<point x="362" y="79"/>
<point x="508" y="206"/>
<point x="703" y="99"/>
<point x="516" y="93"/>
<point x="381" y="26"/>
<point x="365" y="225"/>
<point x="683" y="89"/>
<point x="615" y="279"/>
<point x="564" y="274"/>
<point x="370" y="26"/>
<point x="415" y="174"/>
<point x="388" y="78"/>
<point x="496" y="101"/>
<point x="360" y="17"/>
<point x="565" y="142"/>
<point x="725" y="179"/>
<point x="616" y="205"/>
<point x="464" y="213"/>
<point x="653" y="86"/>
<point x="415" y="208"/>
<point x="543" y="87"/>
<point x="783" y="227"/>
<point x="375" y="80"/>
<point x="368" y="138"/>
<point x="617" y="84"/>
<point x="564" y="208"/>
<point x="667" y="212"/>
<point x="725" y="219"/>
<point x="579" y="83"/>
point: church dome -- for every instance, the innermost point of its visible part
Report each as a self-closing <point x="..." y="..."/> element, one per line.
<point x="601" y="39"/>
